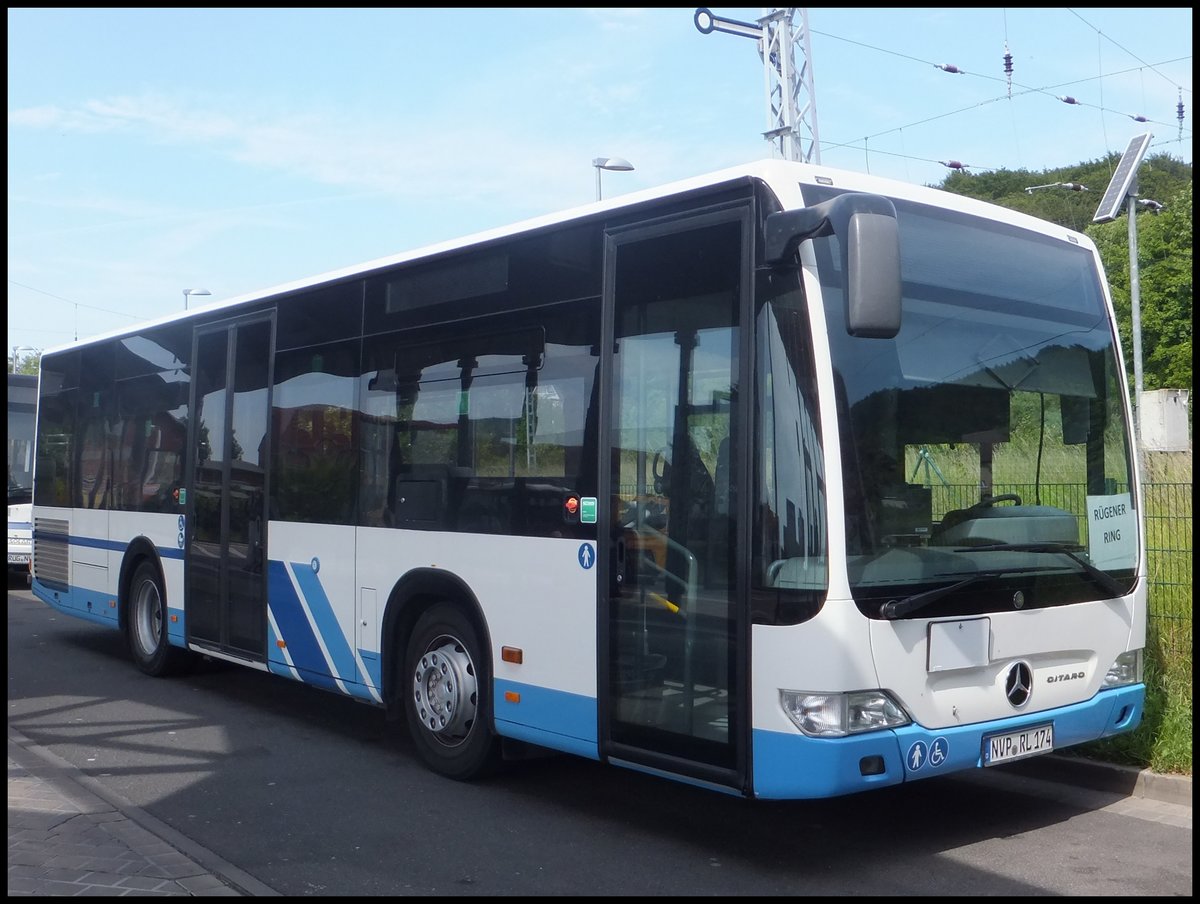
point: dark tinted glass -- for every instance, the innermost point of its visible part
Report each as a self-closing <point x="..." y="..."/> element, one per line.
<point x="320" y="316"/>
<point x="315" y="474"/>
<point x="487" y="427"/>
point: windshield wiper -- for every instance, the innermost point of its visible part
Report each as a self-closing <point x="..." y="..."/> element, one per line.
<point x="1103" y="578"/>
<point x="899" y="608"/>
<point x="893" y="609"/>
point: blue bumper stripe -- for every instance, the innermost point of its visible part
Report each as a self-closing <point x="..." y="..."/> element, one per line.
<point x="792" y="766"/>
<point x="554" y="719"/>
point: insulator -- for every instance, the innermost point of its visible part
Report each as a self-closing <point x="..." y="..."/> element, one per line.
<point x="1008" y="66"/>
<point x="1138" y="118"/>
<point x="948" y="67"/>
<point x="1067" y="99"/>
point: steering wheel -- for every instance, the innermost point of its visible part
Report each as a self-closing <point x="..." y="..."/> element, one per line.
<point x="988" y="503"/>
<point x="958" y="516"/>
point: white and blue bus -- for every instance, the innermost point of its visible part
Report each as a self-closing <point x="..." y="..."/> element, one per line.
<point x="22" y="407"/>
<point x="782" y="481"/>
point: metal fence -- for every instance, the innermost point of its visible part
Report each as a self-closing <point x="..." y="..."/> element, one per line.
<point x="1169" y="560"/>
<point x="1168" y="545"/>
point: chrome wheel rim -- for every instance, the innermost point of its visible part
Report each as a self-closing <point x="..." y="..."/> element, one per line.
<point x="445" y="691"/>
<point x="147" y="618"/>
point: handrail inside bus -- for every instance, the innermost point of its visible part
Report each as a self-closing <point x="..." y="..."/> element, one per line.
<point x="690" y="584"/>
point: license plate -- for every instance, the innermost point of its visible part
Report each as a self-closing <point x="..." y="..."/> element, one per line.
<point x="18" y="558"/>
<point x="1016" y="745"/>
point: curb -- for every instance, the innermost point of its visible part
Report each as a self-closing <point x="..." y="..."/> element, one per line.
<point x="69" y="781"/>
<point x="1100" y="776"/>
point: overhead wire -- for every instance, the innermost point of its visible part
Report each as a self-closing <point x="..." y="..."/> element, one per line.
<point x="1048" y="90"/>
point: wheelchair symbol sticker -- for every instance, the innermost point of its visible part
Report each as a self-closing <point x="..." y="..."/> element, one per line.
<point x="938" y="751"/>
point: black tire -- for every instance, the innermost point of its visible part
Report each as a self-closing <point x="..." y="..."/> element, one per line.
<point x="446" y="685"/>
<point x="146" y="625"/>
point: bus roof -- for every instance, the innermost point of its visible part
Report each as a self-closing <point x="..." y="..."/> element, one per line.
<point x="784" y="176"/>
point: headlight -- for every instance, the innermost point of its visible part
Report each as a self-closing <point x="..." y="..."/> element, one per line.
<point x="1126" y="670"/>
<point x="838" y="715"/>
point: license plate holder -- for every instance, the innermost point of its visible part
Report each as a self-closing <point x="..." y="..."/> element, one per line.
<point x="1007" y="746"/>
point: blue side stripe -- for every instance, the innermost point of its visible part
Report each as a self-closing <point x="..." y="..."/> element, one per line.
<point x="167" y="552"/>
<point x="308" y="661"/>
<point x="328" y="628"/>
<point x="295" y="628"/>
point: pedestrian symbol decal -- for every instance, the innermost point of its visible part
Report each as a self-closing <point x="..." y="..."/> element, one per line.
<point x="586" y="556"/>
<point x="916" y="756"/>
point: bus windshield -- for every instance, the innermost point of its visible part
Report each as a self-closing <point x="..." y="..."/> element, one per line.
<point x="985" y="451"/>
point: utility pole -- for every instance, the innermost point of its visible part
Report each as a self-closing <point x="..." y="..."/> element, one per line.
<point x="791" y="99"/>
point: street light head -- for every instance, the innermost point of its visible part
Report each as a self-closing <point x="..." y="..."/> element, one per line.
<point x="187" y="293"/>
<point x="615" y="164"/>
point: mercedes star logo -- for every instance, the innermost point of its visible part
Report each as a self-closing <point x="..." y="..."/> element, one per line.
<point x="1019" y="684"/>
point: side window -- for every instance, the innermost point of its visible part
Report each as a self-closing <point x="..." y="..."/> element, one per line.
<point x="314" y="445"/>
<point x="476" y="409"/>
<point x="94" y="411"/>
<point x="151" y="437"/>
<point x="790" y="543"/>
<point x="480" y="433"/>
<point x="58" y="389"/>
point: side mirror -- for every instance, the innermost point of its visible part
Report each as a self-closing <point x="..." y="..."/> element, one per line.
<point x="870" y="241"/>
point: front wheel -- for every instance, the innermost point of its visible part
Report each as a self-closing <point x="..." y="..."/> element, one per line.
<point x="447" y="686"/>
<point x="146" y="625"/>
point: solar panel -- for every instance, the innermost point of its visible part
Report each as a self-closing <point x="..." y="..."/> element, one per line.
<point x="1122" y="180"/>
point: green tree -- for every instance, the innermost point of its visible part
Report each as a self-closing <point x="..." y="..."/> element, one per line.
<point x="24" y="364"/>
<point x="1164" y="245"/>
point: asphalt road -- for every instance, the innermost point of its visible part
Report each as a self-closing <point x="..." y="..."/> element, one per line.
<point x="313" y="794"/>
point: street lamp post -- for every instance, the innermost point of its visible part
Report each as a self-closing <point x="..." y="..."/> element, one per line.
<point x="188" y="292"/>
<point x="615" y="164"/>
<point x="1135" y="296"/>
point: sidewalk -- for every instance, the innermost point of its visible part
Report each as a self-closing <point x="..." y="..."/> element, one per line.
<point x="67" y="835"/>
<point x="1100" y="776"/>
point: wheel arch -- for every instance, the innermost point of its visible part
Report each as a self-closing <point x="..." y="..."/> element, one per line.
<point x="138" y="551"/>
<point x="412" y="595"/>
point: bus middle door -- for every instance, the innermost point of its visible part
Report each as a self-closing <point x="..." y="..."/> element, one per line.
<point x="226" y="600"/>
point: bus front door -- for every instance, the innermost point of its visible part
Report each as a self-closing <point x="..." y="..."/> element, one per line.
<point x="673" y="678"/>
<point x="225" y="568"/>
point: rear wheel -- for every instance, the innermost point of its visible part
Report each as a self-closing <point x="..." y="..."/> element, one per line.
<point x="146" y="624"/>
<point x="447" y="695"/>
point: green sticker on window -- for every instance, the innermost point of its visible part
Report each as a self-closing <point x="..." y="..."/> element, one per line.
<point x="587" y="510"/>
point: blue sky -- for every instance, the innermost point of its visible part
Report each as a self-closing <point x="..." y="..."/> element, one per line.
<point x="155" y="150"/>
